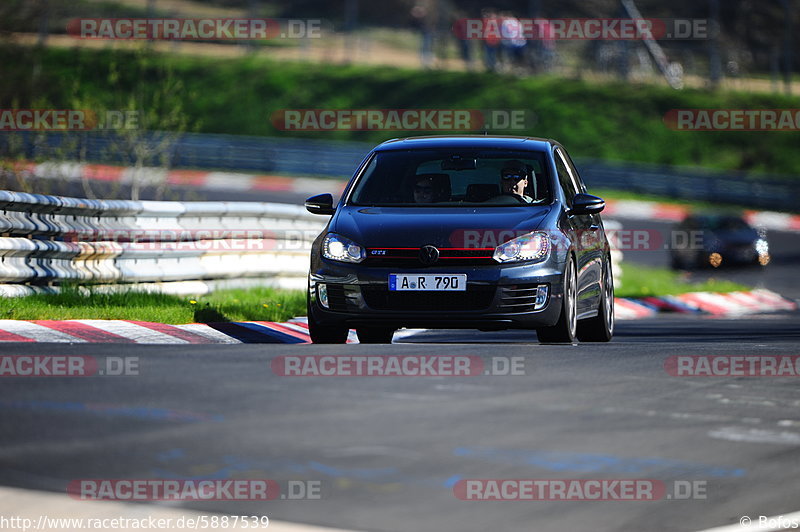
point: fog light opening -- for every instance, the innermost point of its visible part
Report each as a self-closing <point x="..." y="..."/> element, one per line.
<point x="715" y="259"/>
<point x="322" y="295"/>
<point x="763" y="259"/>
<point x="541" y="297"/>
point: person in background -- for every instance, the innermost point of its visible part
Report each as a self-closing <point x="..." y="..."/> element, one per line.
<point x="464" y="43"/>
<point x="491" y="38"/>
<point x="513" y="41"/>
<point x="424" y="17"/>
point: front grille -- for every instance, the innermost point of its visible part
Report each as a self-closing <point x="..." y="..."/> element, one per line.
<point x="474" y="298"/>
<point x="518" y="298"/>
<point x="409" y="257"/>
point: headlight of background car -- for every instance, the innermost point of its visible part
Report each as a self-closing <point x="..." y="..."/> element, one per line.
<point x="336" y="247"/>
<point x="530" y="247"/>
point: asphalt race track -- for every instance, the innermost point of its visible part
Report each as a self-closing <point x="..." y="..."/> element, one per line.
<point x="387" y="451"/>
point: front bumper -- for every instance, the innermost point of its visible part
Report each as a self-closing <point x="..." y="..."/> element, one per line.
<point x="497" y="297"/>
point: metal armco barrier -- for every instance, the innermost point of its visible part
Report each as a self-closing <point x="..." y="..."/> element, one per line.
<point x="48" y="240"/>
<point x="313" y="157"/>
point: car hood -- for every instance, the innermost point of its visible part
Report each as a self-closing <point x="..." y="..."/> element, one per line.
<point x="441" y="227"/>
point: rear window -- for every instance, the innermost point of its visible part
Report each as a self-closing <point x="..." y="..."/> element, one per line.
<point x="440" y="177"/>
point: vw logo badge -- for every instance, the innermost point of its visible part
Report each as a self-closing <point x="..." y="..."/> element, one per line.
<point x="428" y="255"/>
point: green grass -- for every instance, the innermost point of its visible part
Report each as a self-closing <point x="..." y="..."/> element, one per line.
<point x="613" y="121"/>
<point x="643" y="281"/>
<point x="257" y="304"/>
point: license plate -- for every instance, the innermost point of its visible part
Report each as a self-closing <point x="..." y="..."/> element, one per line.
<point x="428" y="282"/>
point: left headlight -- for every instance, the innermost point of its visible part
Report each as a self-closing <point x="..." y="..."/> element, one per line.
<point x="337" y="247"/>
<point x="531" y="247"/>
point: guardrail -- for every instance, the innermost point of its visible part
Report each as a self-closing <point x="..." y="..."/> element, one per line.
<point x="46" y="240"/>
<point x="339" y="158"/>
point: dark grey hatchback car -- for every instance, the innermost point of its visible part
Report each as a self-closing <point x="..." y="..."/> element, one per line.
<point x="478" y="232"/>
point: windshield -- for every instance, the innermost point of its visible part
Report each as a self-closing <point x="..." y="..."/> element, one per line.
<point x="446" y="177"/>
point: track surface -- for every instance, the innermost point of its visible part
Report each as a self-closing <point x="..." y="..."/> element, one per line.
<point x="387" y="450"/>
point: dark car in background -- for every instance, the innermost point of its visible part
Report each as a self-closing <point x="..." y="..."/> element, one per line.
<point x="481" y="232"/>
<point x="712" y="240"/>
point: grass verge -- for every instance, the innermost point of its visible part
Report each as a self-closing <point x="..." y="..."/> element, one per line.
<point x="644" y="281"/>
<point x="257" y="304"/>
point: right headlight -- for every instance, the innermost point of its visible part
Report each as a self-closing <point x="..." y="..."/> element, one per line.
<point x="342" y="249"/>
<point x="532" y="247"/>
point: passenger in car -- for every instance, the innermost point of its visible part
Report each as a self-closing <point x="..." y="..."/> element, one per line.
<point x="431" y="188"/>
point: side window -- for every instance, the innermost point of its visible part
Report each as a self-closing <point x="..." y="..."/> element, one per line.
<point x="565" y="178"/>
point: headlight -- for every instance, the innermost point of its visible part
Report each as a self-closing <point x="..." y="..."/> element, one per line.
<point x="530" y="247"/>
<point x="762" y="247"/>
<point x="336" y="247"/>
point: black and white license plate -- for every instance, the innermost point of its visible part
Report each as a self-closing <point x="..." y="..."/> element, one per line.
<point x="428" y="282"/>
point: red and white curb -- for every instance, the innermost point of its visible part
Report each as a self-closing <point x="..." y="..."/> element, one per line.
<point x="631" y="309"/>
<point x="736" y="303"/>
<point x="295" y="331"/>
<point x="759" y="301"/>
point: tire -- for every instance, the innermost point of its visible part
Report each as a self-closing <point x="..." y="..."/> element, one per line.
<point x="325" y="334"/>
<point x="601" y="327"/>
<point x="375" y="335"/>
<point x="565" y="329"/>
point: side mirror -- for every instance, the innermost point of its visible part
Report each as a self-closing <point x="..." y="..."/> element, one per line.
<point x="320" y="204"/>
<point x="587" y="204"/>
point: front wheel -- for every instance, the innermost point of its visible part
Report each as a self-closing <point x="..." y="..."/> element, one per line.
<point x="325" y="334"/>
<point x="601" y="327"/>
<point x="564" y="331"/>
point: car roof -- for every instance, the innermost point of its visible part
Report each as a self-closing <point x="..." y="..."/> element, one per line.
<point x="467" y="141"/>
